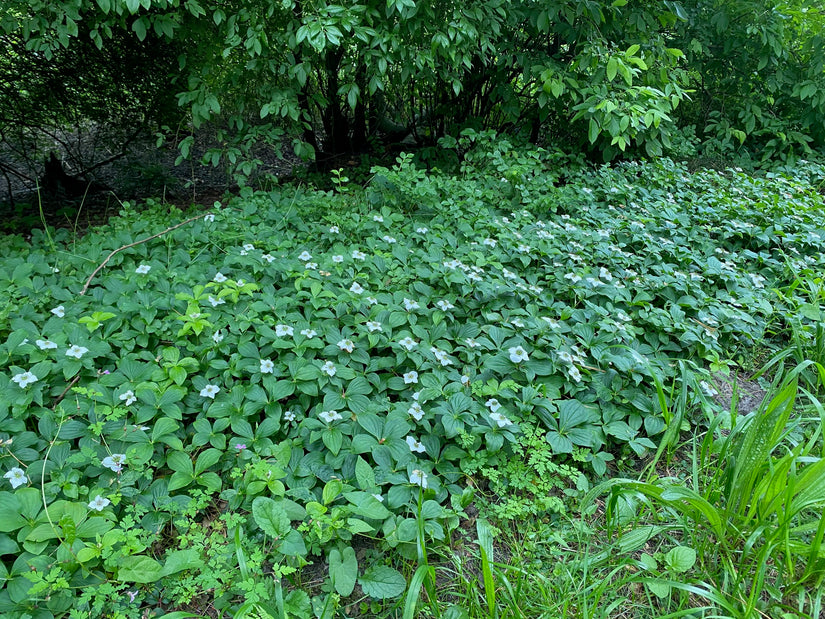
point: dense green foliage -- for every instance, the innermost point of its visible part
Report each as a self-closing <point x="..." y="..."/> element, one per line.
<point x="595" y="75"/>
<point x="299" y="371"/>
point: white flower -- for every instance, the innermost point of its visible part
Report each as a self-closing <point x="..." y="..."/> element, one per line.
<point x="445" y="305"/>
<point x="408" y="343"/>
<point x="489" y="242"/>
<point x="416" y="395"/>
<point x="707" y="389"/>
<point x="441" y="356"/>
<point x="309" y="333"/>
<point x="493" y="405"/>
<point x="76" y="351"/>
<point x="574" y="373"/>
<point x="471" y="342"/>
<point x="304" y="256"/>
<point x="416" y="411"/>
<point x="268" y="257"/>
<point x="311" y="266"/>
<point x="419" y="478"/>
<point x="59" y="311"/>
<point x="517" y="322"/>
<point x="217" y="337"/>
<point x="389" y="239"/>
<point x="98" y="503"/>
<point x="465" y="380"/>
<point x="16" y="476"/>
<point x="422" y="230"/>
<point x="553" y="324"/>
<point x="500" y="419"/>
<point x="346" y="345"/>
<point x="24" y="379"/>
<point x="267" y="366"/>
<point x="248" y="246"/>
<point x="45" y="344"/>
<point x="605" y="274"/>
<point x="128" y="398"/>
<point x="143" y="269"/>
<point x="210" y="391"/>
<point x="334" y="229"/>
<point x="283" y="330"/>
<point x="114" y="462"/>
<point x="573" y="278"/>
<point x="565" y="356"/>
<point x="330" y="416"/>
<point x="289" y="416"/>
<point x="329" y="368"/>
<point x="411" y="377"/>
<point x="358" y="255"/>
<point x="518" y="354"/>
<point x="524" y="248"/>
<point x="356" y="288"/>
<point x="215" y="302"/>
<point x="415" y="445"/>
<point x="373" y="325"/>
<point x="338" y="259"/>
<point x="219" y="277"/>
<point x="452" y="264"/>
<point x="209" y="217"/>
<point x="410" y="305"/>
<point x="371" y="300"/>
<point x="378" y="218"/>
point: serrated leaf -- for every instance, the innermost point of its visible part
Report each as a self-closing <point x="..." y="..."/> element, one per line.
<point x="382" y="582"/>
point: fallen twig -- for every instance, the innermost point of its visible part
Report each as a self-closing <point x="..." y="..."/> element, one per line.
<point x="119" y="249"/>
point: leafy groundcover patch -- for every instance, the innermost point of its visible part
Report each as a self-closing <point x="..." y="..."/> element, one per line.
<point x="298" y="371"/>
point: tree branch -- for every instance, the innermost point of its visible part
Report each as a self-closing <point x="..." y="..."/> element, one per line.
<point x="120" y="249"/>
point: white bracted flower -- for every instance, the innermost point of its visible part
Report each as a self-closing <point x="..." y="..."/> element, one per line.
<point x="16" y="476"/>
<point x="418" y="478"/>
<point x="416" y="412"/>
<point x="24" y="379"/>
<point x="356" y="288"/>
<point x="76" y="351"/>
<point x="309" y="333"/>
<point x="338" y="259"/>
<point x="304" y="256"/>
<point x="411" y="377"/>
<point x="329" y="368"/>
<point x="219" y="278"/>
<point x="114" y="462"/>
<point x="373" y="325"/>
<point x="358" y="255"/>
<point x="330" y="416"/>
<point x="59" y="311"/>
<point x="210" y="391"/>
<point x="283" y="330"/>
<point x="493" y="405"/>
<point x="267" y="367"/>
<point x="518" y="354"/>
<point x="128" y="398"/>
<point x="408" y="343"/>
<point x="346" y="345"/>
<point x="143" y="269"/>
<point x="99" y="503"/>
<point x="45" y="344"/>
<point x="500" y="420"/>
<point x="415" y="445"/>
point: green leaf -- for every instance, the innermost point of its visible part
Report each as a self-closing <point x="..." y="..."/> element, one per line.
<point x="382" y="582"/>
<point x="139" y="569"/>
<point x="364" y="474"/>
<point x="343" y="570"/>
<point x="270" y="517"/>
<point x="680" y="559"/>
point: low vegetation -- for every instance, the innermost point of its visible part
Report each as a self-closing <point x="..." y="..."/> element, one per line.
<point x="491" y="393"/>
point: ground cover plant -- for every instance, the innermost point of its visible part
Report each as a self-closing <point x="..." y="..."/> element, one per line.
<point x="197" y="410"/>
